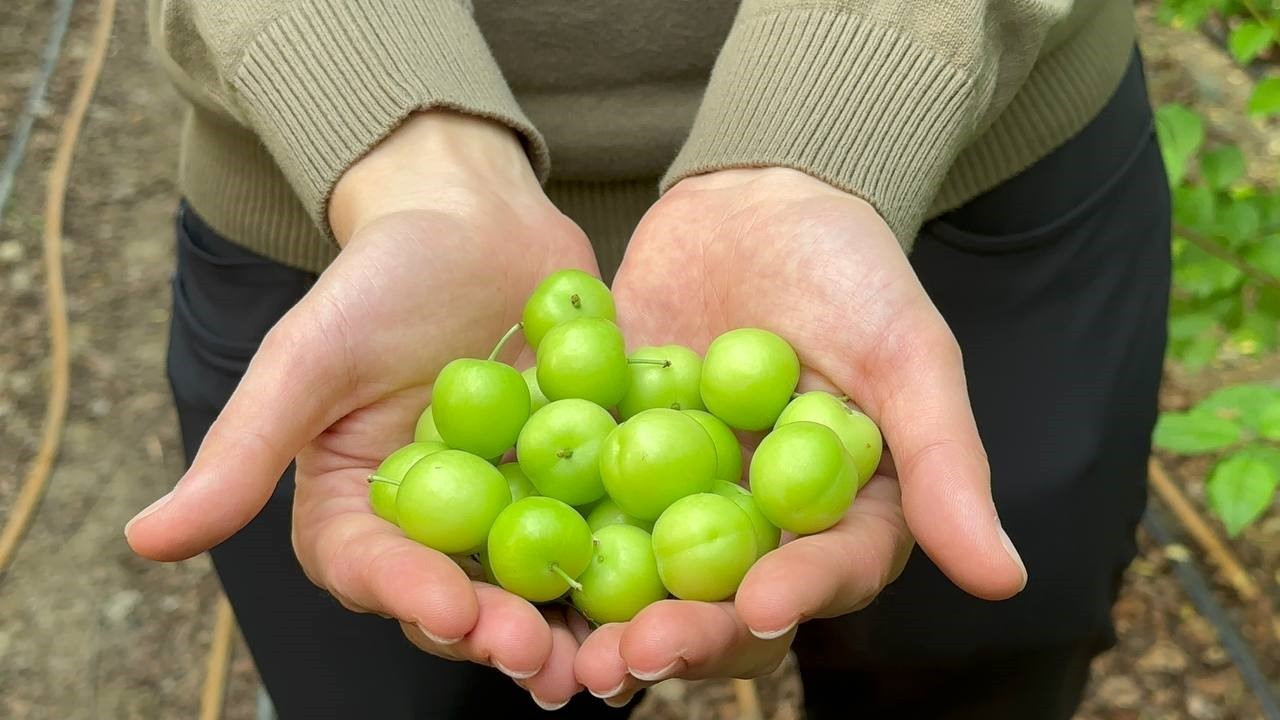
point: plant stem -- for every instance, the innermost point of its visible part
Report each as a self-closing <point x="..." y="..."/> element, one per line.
<point x="575" y="301"/>
<point x="1216" y="249"/>
<point x="555" y="568"/>
<point x="564" y="453"/>
<point x="378" y="478"/>
<point x="498" y="348"/>
<point x="648" y="361"/>
<point x="1253" y="10"/>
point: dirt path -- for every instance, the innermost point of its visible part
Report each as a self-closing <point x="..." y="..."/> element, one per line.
<point x="89" y="631"/>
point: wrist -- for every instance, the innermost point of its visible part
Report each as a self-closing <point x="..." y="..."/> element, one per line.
<point x="431" y="160"/>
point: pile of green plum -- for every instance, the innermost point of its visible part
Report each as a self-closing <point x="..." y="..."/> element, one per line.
<point x="624" y="484"/>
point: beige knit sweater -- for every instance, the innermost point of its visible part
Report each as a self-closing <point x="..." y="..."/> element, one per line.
<point x="914" y="105"/>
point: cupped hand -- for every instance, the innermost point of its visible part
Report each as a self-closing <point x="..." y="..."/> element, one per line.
<point x="777" y="249"/>
<point x="445" y="231"/>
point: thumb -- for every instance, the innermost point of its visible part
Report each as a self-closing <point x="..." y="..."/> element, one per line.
<point x="916" y="380"/>
<point x="288" y="395"/>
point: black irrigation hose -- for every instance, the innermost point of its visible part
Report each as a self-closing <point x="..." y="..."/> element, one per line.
<point x="1194" y="583"/>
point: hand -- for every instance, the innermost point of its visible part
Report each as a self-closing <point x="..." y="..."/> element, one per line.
<point x="445" y="231"/>
<point x="780" y="250"/>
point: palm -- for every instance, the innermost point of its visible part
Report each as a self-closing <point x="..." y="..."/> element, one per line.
<point x="779" y="250"/>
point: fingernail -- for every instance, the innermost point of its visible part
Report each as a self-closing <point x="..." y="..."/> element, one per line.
<point x="657" y="675"/>
<point x="1013" y="553"/>
<point x="549" y="707"/>
<point x="773" y="634"/>
<point x="610" y="693"/>
<point x="523" y="675"/>
<point x="617" y="702"/>
<point x="437" y="639"/>
<point x="159" y="503"/>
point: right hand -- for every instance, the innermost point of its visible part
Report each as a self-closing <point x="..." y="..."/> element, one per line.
<point x="445" y="231"/>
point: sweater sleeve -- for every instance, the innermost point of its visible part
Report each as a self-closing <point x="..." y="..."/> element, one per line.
<point x="876" y="97"/>
<point x="320" y="82"/>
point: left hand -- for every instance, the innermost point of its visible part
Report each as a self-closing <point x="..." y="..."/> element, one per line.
<point x="780" y="250"/>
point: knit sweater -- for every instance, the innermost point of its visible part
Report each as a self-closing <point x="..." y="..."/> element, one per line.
<point x="913" y="106"/>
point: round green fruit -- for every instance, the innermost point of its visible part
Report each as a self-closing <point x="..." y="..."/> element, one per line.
<point x="479" y="406"/>
<point x="536" y="399"/>
<point x="662" y="377"/>
<point x="384" y="483"/>
<point x="654" y="459"/>
<point x="606" y="513"/>
<point x="583" y="358"/>
<point x="449" y="499"/>
<point x="748" y="376"/>
<point x="622" y="578"/>
<point x="537" y="548"/>
<point x="562" y="296"/>
<point x="517" y="482"/>
<point x="425" y="430"/>
<point x="559" y="450"/>
<point x="802" y="478"/>
<point x="767" y="536"/>
<point x="856" y="431"/>
<point x="704" y="545"/>
<point x="728" y="449"/>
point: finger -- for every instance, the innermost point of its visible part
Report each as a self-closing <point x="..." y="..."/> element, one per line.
<point x="832" y="572"/>
<point x="509" y="634"/>
<point x="922" y="405"/>
<point x="695" y="640"/>
<point x="555" y="685"/>
<point x="288" y="395"/>
<point x="599" y="665"/>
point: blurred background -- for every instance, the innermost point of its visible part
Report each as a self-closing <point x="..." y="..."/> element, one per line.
<point x="87" y="630"/>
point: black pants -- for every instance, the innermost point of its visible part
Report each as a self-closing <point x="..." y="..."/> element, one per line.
<point x="1056" y="285"/>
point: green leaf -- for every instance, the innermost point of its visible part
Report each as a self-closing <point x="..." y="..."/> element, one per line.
<point x="1265" y="99"/>
<point x="1269" y="422"/>
<point x="1181" y="132"/>
<point x="1199" y="352"/>
<point x="1194" y="433"/>
<point x="1194" y="206"/>
<point x="1265" y="255"/>
<point x="1241" y="487"/>
<point x="1256" y="335"/>
<point x="1186" y="326"/>
<point x="1243" y="404"/>
<point x="1222" y="166"/>
<point x="1248" y="39"/>
<point x="1202" y="275"/>
<point x="1239" y="222"/>
<point x="1185" y="13"/>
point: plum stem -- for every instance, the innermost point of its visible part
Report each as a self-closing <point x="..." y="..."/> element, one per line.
<point x="575" y="301"/>
<point x="378" y="478"/>
<point x="648" y="361"/>
<point x="564" y="453"/>
<point x="498" y="348"/>
<point x="555" y="568"/>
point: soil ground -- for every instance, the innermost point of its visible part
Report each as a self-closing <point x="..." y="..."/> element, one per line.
<point x="87" y="630"/>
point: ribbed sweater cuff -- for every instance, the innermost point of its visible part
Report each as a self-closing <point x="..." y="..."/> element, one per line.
<point x="329" y="79"/>
<point x="857" y="105"/>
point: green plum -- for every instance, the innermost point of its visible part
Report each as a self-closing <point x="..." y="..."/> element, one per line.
<point x="583" y="358"/>
<point x="449" y="499"/>
<point x="748" y="377"/>
<point x="728" y="449"/>
<point x="654" y="459"/>
<point x="559" y="450"/>
<point x="767" y="536"/>
<point x="536" y="398"/>
<point x="622" y="578"/>
<point x="859" y="434"/>
<point x="517" y="482"/>
<point x="537" y="548"/>
<point x="562" y="296"/>
<point x="425" y="430"/>
<point x="606" y="513"/>
<point x="480" y="405"/>
<point x="802" y="478"/>
<point x="384" y="483"/>
<point x="704" y="544"/>
<point x="666" y="376"/>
